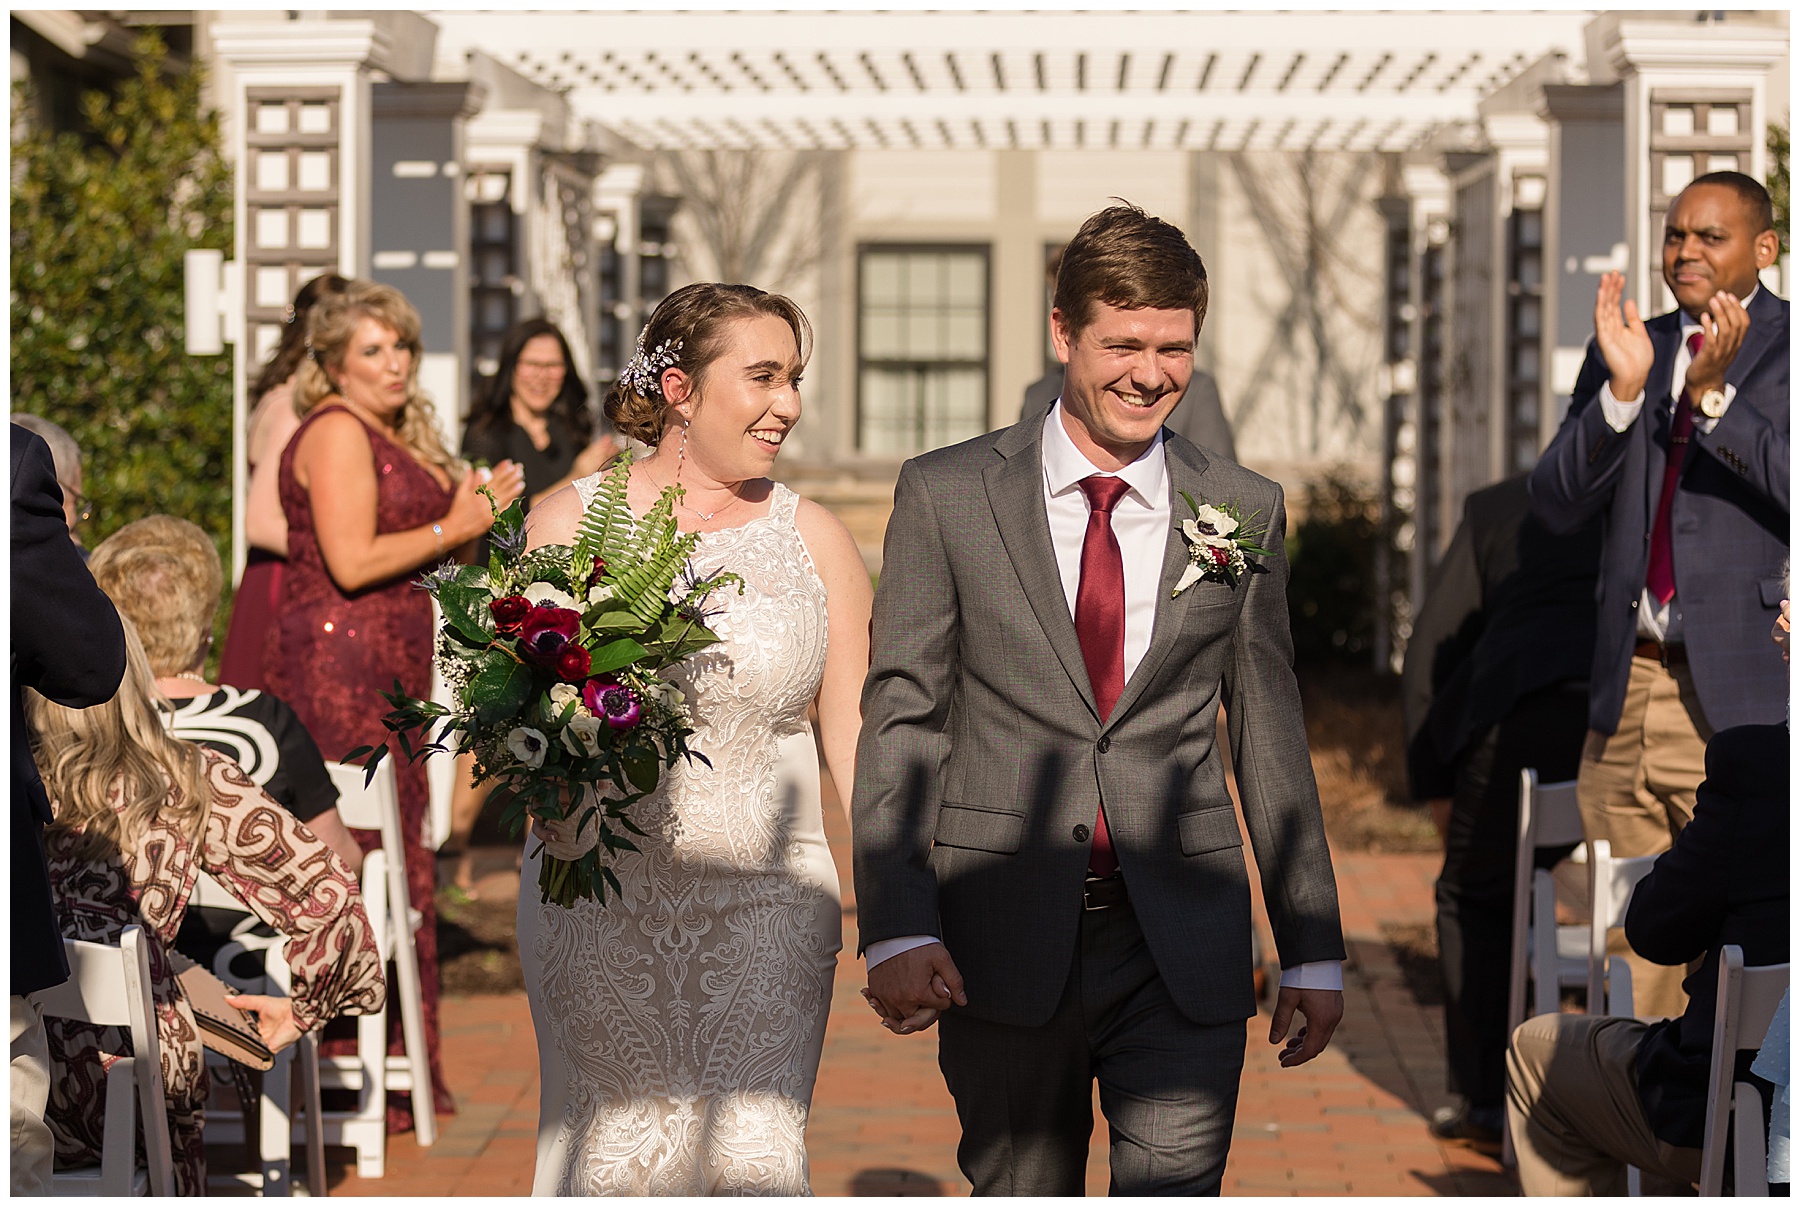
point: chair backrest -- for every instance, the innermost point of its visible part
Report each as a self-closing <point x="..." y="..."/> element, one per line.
<point x="365" y="804"/>
<point x="1548" y="817"/>
<point x="111" y="987"/>
<point x="376" y="806"/>
<point x="440" y="769"/>
<point x="1613" y="879"/>
<point x="1748" y="999"/>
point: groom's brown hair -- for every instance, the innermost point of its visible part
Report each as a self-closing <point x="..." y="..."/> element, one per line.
<point x="1130" y="259"/>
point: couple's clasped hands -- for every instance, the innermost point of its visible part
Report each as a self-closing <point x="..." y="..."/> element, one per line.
<point x="911" y="989"/>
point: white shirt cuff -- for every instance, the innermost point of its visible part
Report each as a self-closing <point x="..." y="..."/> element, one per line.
<point x="887" y="949"/>
<point x="1321" y="974"/>
<point x="1619" y="415"/>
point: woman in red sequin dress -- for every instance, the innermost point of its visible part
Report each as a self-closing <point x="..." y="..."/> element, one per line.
<point x="372" y="499"/>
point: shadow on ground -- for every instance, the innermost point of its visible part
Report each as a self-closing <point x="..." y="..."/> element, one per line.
<point x="898" y="1183"/>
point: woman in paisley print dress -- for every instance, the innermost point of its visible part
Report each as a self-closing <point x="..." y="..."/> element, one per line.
<point x="372" y="499"/>
<point x="139" y="815"/>
<point x="680" y="1024"/>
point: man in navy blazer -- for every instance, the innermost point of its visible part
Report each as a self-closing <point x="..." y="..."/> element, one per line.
<point x="1678" y="433"/>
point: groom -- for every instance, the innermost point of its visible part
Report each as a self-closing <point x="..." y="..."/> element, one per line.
<point x="1045" y="849"/>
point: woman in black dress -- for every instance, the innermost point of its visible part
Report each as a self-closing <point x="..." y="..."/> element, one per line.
<point x="537" y="414"/>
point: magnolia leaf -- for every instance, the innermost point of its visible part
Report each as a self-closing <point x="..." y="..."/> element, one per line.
<point x="616" y="655"/>
<point x="499" y="691"/>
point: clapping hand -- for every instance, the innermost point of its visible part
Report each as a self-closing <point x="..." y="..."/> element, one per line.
<point x="470" y="513"/>
<point x="911" y="989"/>
<point x="1624" y="342"/>
<point x="1725" y="324"/>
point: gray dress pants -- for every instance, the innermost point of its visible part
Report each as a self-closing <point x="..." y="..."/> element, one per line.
<point x="1168" y="1086"/>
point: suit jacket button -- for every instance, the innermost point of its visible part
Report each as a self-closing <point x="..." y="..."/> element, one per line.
<point x="1104" y="744"/>
<point x="1082" y="833"/>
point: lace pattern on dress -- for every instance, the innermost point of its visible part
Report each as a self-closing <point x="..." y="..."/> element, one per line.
<point x="688" y="1015"/>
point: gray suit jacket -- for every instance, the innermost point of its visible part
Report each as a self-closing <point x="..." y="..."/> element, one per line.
<point x="982" y="749"/>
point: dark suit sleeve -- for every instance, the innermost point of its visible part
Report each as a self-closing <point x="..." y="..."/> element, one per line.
<point x="1748" y="444"/>
<point x="66" y="639"/>
<point x="1574" y="479"/>
<point x="1274" y="774"/>
<point x="906" y="701"/>
<point x="1443" y="634"/>
<point x="1678" y="910"/>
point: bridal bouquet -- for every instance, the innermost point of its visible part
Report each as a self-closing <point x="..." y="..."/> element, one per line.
<point x="556" y="660"/>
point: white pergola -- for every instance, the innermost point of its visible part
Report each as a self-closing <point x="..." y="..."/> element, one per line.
<point x="1227" y="81"/>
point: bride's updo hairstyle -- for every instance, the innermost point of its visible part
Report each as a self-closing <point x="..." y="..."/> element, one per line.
<point x="689" y="331"/>
<point x="330" y="324"/>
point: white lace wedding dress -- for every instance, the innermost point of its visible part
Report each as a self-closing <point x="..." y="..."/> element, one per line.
<point x="679" y="1028"/>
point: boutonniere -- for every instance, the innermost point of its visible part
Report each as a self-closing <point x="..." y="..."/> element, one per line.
<point x="1219" y="540"/>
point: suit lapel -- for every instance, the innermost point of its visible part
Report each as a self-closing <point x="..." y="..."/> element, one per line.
<point x="1187" y="467"/>
<point x="1015" y="490"/>
<point x="1765" y="317"/>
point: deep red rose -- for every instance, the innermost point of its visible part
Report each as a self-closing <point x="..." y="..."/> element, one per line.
<point x="1219" y="556"/>
<point x="546" y="632"/>
<point x="510" y="613"/>
<point x="573" y="663"/>
<point x="599" y="571"/>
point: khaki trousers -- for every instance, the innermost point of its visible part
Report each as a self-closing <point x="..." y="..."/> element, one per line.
<point x="1636" y="790"/>
<point x="1576" y="1118"/>
<point x="32" y="1146"/>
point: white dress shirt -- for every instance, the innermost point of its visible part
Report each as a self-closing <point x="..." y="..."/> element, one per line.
<point x="1653" y="614"/>
<point x="1141" y="521"/>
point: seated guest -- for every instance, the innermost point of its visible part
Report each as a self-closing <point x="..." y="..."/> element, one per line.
<point x="1495" y="681"/>
<point x="1591" y="1094"/>
<point x="139" y="814"/>
<point x="163" y="575"/>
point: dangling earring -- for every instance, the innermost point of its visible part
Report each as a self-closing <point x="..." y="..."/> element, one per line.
<point x="681" y="453"/>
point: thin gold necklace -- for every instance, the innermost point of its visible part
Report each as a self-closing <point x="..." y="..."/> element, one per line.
<point x="680" y="461"/>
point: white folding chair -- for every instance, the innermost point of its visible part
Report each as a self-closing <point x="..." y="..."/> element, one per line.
<point x="1612" y="878"/>
<point x="1748" y="999"/>
<point x="1548" y="955"/>
<point x="372" y="1073"/>
<point x="110" y="987"/>
<point x="440" y="771"/>
<point x="1611" y="881"/>
<point x="275" y="1131"/>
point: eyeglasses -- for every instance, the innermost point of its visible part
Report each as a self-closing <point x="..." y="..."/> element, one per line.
<point x="84" y="506"/>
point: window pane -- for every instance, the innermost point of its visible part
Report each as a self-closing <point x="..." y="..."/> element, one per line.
<point x="965" y="281"/>
<point x="922" y="340"/>
<point x="965" y="336"/>
<point x="924" y="280"/>
<point x="881" y="280"/>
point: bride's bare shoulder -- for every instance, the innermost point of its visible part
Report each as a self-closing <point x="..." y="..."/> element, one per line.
<point x="553" y="522"/>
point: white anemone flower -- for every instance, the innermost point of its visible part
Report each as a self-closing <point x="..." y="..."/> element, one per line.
<point x="528" y="746"/>
<point x="599" y="593"/>
<point x="545" y="594"/>
<point x="1211" y="517"/>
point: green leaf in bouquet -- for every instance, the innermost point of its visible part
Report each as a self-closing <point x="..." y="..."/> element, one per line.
<point x="606" y="526"/>
<point x="613" y="620"/>
<point x="499" y="690"/>
<point x="616" y="655"/>
<point x="467" y="613"/>
<point x="642" y="768"/>
<point x="474" y="576"/>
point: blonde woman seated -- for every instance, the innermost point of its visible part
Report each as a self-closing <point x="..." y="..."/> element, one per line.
<point x="139" y="815"/>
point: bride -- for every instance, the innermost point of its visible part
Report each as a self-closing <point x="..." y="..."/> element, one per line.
<point x="679" y="1026"/>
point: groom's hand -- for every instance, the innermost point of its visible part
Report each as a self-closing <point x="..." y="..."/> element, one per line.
<point x="921" y="979"/>
<point x="1323" y="1008"/>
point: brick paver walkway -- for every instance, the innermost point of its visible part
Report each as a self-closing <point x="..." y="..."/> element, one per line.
<point x="1349" y="1123"/>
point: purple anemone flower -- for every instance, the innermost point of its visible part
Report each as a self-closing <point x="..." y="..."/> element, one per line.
<point x="613" y="703"/>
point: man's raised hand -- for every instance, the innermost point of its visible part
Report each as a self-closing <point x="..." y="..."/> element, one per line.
<point x="1624" y="342"/>
<point x="911" y="989"/>
<point x="1725" y="322"/>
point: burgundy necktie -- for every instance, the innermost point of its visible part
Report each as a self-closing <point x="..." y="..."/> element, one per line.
<point x="1100" y="625"/>
<point x="1660" y="577"/>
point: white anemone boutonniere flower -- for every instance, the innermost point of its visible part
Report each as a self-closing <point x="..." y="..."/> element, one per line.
<point x="1220" y="541"/>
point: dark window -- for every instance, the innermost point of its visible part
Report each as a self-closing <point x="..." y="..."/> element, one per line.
<point x="922" y="354"/>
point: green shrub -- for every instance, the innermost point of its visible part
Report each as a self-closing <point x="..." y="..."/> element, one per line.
<point x="100" y="221"/>
<point x="1331" y="594"/>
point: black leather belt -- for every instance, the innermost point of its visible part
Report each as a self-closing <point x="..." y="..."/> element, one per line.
<point x="1656" y="651"/>
<point x="1103" y="894"/>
